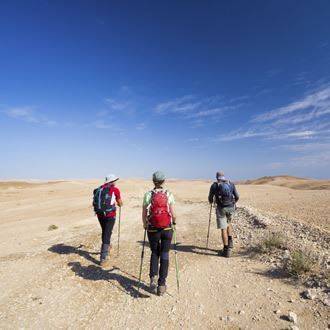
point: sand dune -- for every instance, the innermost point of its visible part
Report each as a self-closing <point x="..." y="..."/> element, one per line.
<point x="291" y="182"/>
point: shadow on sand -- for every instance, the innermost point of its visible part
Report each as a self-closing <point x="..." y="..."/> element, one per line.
<point x="189" y="248"/>
<point x="68" y="249"/>
<point x="125" y="284"/>
<point x="128" y="284"/>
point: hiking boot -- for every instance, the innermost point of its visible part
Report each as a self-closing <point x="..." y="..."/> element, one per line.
<point x="230" y="242"/>
<point x="104" y="254"/>
<point x="225" y="252"/>
<point x="153" y="284"/>
<point x="105" y="262"/>
<point x="161" y="290"/>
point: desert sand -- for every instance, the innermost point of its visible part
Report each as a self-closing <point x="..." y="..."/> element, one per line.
<point x="51" y="278"/>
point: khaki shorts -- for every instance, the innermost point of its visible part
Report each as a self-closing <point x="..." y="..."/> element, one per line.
<point x="224" y="216"/>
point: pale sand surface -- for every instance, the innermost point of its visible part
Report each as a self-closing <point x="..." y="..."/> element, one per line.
<point x="51" y="279"/>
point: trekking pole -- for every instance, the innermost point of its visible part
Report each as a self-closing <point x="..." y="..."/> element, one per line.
<point x="142" y="255"/>
<point x="208" y="230"/>
<point x="176" y="259"/>
<point x="119" y="228"/>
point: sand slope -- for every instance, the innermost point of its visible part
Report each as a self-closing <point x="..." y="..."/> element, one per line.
<point x="291" y="182"/>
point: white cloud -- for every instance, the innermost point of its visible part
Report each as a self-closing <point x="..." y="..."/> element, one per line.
<point x="141" y="126"/>
<point x="28" y="114"/>
<point x="319" y="100"/>
<point x="194" y="108"/>
<point x="307" y="147"/>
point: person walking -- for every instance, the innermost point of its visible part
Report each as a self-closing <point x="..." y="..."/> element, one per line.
<point x="104" y="201"/>
<point x="158" y="217"/>
<point x="226" y="196"/>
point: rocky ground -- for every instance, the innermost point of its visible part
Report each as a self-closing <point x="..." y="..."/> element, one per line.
<point x="51" y="278"/>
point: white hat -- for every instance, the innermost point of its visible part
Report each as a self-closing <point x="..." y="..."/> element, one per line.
<point x="111" y="178"/>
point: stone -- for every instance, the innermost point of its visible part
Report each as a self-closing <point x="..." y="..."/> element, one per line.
<point x="241" y="312"/>
<point x="309" y="294"/>
<point x="293" y="317"/>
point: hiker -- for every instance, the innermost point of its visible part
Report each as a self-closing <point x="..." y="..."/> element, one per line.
<point x="226" y="197"/>
<point x="105" y="198"/>
<point x="158" y="219"/>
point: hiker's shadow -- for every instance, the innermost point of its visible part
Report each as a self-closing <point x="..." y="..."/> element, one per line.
<point x="68" y="249"/>
<point x="189" y="248"/>
<point x="125" y="284"/>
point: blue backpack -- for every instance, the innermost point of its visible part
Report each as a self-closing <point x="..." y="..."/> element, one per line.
<point x="225" y="193"/>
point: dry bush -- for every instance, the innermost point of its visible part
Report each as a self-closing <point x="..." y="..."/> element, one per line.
<point x="272" y="242"/>
<point x="300" y="263"/>
<point x="52" y="227"/>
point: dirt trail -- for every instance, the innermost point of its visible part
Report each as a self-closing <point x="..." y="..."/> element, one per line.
<point x="52" y="278"/>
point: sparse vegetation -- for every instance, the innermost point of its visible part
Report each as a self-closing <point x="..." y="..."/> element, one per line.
<point x="271" y="242"/>
<point x="52" y="227"/>
<point x="300" y="263"/>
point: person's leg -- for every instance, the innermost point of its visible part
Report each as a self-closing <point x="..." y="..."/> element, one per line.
<point x="229" y="214"/>
<point x="154" y="238"/>
<point x="224" y="233"/>
<point x="166" y="238"/>
<point x="108" y="227"/>
<point x="104" y="247"/>
<point x="102" y="224"/>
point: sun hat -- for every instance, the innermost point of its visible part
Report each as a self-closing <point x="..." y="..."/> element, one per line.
<point x="111" y="178"/>
<point x="158" y="176"/>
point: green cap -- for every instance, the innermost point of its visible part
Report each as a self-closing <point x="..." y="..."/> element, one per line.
<point x="158" y="176"/>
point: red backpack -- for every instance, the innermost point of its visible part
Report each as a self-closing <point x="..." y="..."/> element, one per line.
<point x="159" y="210"/>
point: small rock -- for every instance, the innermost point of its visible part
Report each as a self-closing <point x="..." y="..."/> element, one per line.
<point x="277" y="312"/>
<point x="326" y="302"/>
<point x="241" y="312"/>
<point x="293" y="317"/>
<point x="309" y="294"/>
<point x="236" y="286"/>
<point x="294" y="327"/>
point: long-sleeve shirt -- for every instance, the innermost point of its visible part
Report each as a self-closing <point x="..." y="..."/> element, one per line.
<point x="214" y="192"/>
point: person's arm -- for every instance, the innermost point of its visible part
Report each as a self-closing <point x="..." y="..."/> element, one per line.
<point x="145" y="211"/>
<point x="118" y="198"/>
<point x="144" y="216"/>
<point x="173" y="214"/>
<point x="171" y="203"/>
<point x="235" y="193"/>
<point x="211" y="194"/>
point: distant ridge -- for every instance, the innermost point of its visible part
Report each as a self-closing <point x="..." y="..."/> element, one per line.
<point x="290" y="182"/>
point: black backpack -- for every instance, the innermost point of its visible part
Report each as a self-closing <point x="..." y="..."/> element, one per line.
<point x="103" y="200"/>
<point x="225" y="193"/>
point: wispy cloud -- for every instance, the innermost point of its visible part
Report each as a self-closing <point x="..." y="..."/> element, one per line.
<point x="141" y="126"/>
<point x="318" y="102"/>
<point x="194" y="108"/>
<point x="28" y="114"/>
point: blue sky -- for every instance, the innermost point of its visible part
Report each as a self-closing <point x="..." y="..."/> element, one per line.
<point x="189" y="87"/>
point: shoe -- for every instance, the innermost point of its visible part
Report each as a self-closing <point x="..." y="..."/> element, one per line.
<point x="225" y="252"/>
<point x="161" y="289"/>
<point x="230" y="243"/>
<point x="104" y="262"/>
<point x="153" y="284"/>
<point x="104" y="255"/>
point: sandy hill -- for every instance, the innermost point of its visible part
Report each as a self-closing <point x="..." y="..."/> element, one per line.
<point x="291" y="182"/>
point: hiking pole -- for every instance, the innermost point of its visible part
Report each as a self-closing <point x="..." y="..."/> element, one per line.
<point x="119" y="228"/>
<point x="208" y="230"/>
<point x="142" y="255"/>
<point x="176" y="259"/>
